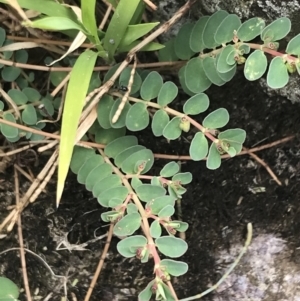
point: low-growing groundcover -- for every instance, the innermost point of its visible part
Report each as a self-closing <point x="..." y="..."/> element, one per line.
<point x="211" y="208"/>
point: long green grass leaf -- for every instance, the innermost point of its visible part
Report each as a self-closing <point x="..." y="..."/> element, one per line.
<point x="74" y="102"/>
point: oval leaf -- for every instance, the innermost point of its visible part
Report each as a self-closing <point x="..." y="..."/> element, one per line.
<point x="182" y="39"/>
<point x="171" y="246"/>
<point x="195" y="77"/>
<point x="170" y="169"/>
<point x="256" y="65"/>
<point x="119" y="145"/>
<point x="216" y="119"/>
<point x="278" y="75"/>
<point x="155" y="229"/>
<point x="174" y="268"/>
<point x="196" y="104"/>
<point x="172" y="130"/>
<point x="277" y="30"/>
<point x="148" y="192"/>
<point x="199" y="147"/>
<point x="128" y="224"/>
<point x="167" y="93"/>
<point x="128" y="246"/>
<point x="251" y="29"/>
<point x="196" y="40"/>
<point x="159" y="122"/>
<point x="151" y="86"/>
<point x="214" y="158"/>
<point x="225" y="31"/>
<point x="137" y="117"/>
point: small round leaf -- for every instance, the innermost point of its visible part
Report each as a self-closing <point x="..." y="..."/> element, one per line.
<point x="225" y="31"/>
<point x="103" y="110"/>
<point x="155" y="229"/>
<point x="8" y="290"/>
<point x="293" y="46"/>
<point x="7" y="130"/>
<point x="18" y="96"/>
<point x="216" y="119"/>
<point x="196" y="104"/>
<point x="214" y="158"/>
<point x="251" y="29"/>
<point x="256" y="65"/>
<point x="159" y="121"/>
<point x="128" y="246"/>
<point x="172" y="130"/>
<point x="210" y="69"/>
<point x="278" y="75"/>
<point x="277" y="30"/>
<point x="199" y="147"/>
<point x="151" y="86"/>
<point x="174" y="268"/>
<point x="171" y="246"/>
<point x="29" y="115"/>
<point x="169" y="169"/>
<point x="182" y="39"/>
<point x="148" y="192"/>
<point x="10" y="73"/>
<point x="167" y="93"/>
<point x="196" y="40"/>
<point x="137" y="117"/>
<point x="117" y="146"/>
<point x="128" y="224"/>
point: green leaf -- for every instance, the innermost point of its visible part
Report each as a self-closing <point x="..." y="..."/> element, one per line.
<point x="128" y="224"/>
<point x="256" y="65"/>
<point x="121" y="157"/>
<point x="171" y="246"/>
<point x="225" y="31"/>
<point x="92" y="162"/>
<point x="32" y="95"/>
<point x="110" y="216"/>
<point x="128" y="246"/>
<point x="8" y="290"/>
<point x="174" y="268"/>
<point x="183" y="178"/>
<point x="168" y="54"/>
<point x="167" y="93"/>
<point x="76" y="92"/>
<point x="172" y="130"/>
<point x="56" y="24"/>
<point x="160" y="202"/>
<point x="293" y="46"/>
<point x="131" y="208"/>
<point x="122" y="118"/>
<point x="103" y="111"/>
<point x="137" y="117"/>
<point x="89" y="21"/>
<point x="151" y="86"/>
<point x="105" y="136"/>
<point x="233" y="135"/>
<point x="196" y="39"/>
<point x="195" y="77"/>
<point x="196" y="104"/>
<point x="18" y="96"/>
<point x="211" y="28"/>
<point x="159" y="122"/>
<point x="277" y="76"/>
<point x="117" y="26"/>
<point x="277" y="30"/>
<point x="125" y="77"/>
<point x="119" y="145"/>
<point x="21" y="56"/>
<point x="145" y="294"/>
<point x="144" y="155"/>
<point x="222" y="64"/>
<point x="199" y="147"/>
<point x="155" y="229"/>
<point x="80" y="154"/>
<point x="1" y="107"/>
<point x="181" y="76"/>
<point x="10" y="73"/>
<point x="47" y="7"/>
<point x="119" y="192"/>
<point x="182" y="39"/>
<point x="250" y="29"/>
<point x="136" y="31"/>
<point x="108" y="182"/>
<point x="148" y="192"/>
<point x="210" y="69"/>
<point x="167" y="211"/>
<point x="136" y="182"/>
<point x="48" y="109"/>
<point x="29" y="115"/>
<point x="2" y="36"/>
<point x="9" y="131"/>
<point x="170" y="169"/>
<point x="97" y="174"/>
<point x="214" y="158"/>
<point x="216" y="119"/>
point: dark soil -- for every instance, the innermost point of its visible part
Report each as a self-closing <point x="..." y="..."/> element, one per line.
<point x="210" y="206"/>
